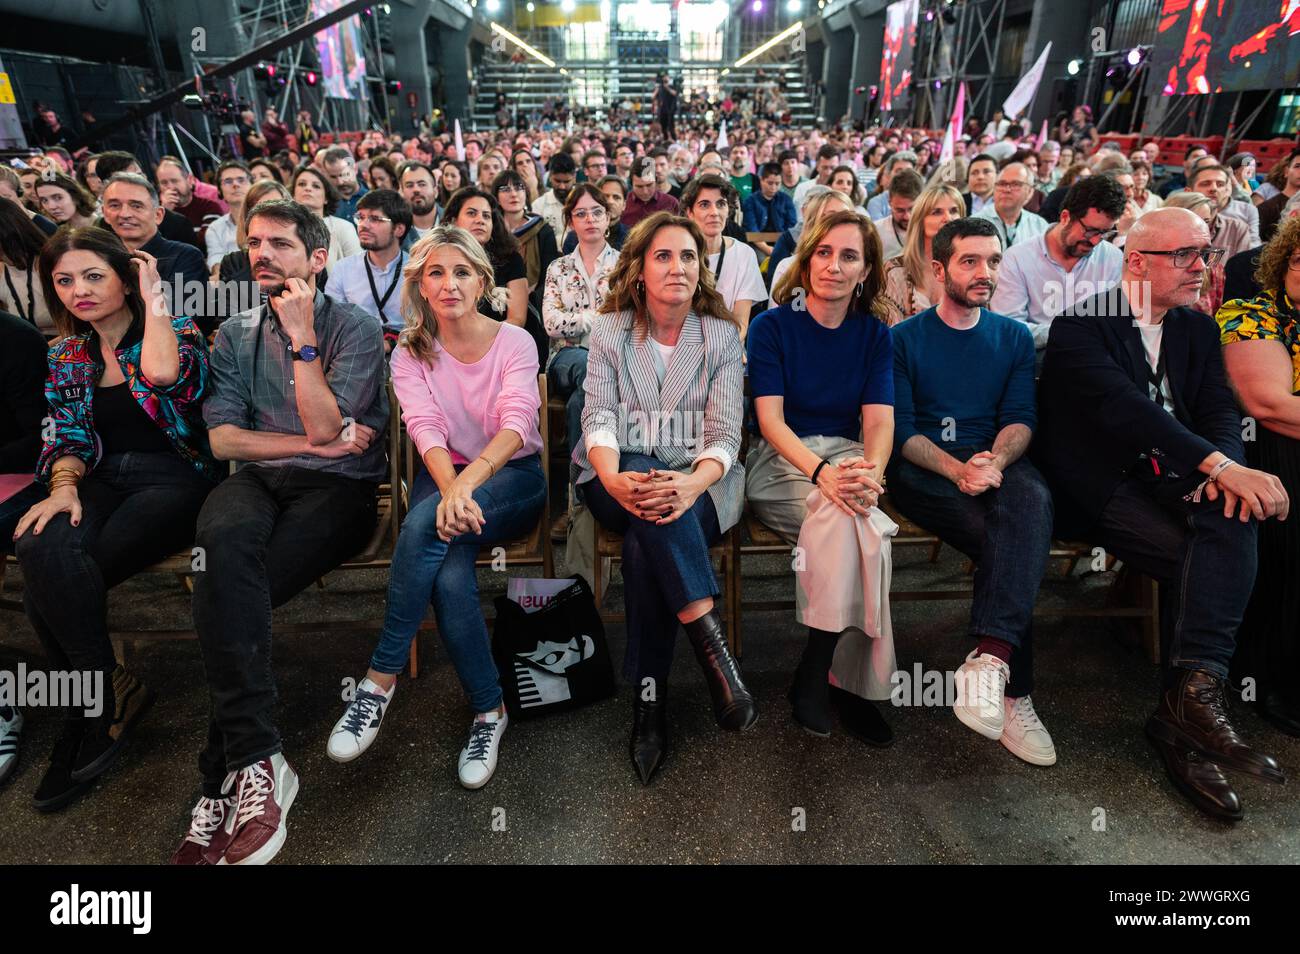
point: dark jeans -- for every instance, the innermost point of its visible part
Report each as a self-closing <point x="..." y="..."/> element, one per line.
<point x="423" y="565"/>
<point x="665" y="568"/>
<point x="1006" y="530"/>
<point x="1206" y="561"/>
<point x="566" y="375"/>
<point x="268" y="532"/>
<point x="12" y="510"/>
<point x="136" y="509"/>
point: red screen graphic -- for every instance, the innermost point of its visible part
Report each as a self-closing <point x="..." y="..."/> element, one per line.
<point x="1209" y="46"/>
<point x="896" y="60"/>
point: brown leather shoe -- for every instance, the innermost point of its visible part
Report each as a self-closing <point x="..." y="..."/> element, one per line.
<point x="1201" y="782"/>
<point x="1193" y="714"/>
<point x="560" y="529"/>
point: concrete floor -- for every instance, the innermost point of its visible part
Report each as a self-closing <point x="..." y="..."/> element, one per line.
<point x="565" y="792"/>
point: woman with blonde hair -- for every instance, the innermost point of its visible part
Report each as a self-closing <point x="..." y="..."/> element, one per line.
<point x="468" y="389"/>
<point x="659" y="464"/>
<point x="821" y="372"/>
<point x="910" y="285"/>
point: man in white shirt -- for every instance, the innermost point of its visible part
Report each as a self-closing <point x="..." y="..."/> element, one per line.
<point x="904" y="187"/>
<point x="878" y="207"/>
<point x="562" y="172"/>
<point x="1215" y="181"/>
<point x="1071" y="261"/>
<point x="1007" y="212"/>
<point x="1007" y="144"/>
<point x="372" y="279"/>
<point x="233" y="179"/>
<point x="980" y="176"/>
<point x="733" y="264"/>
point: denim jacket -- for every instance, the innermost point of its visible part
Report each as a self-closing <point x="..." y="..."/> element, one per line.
<point x="75" y="366"/>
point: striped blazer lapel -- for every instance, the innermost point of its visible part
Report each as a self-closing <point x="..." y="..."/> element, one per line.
<point x="685" y="365"/>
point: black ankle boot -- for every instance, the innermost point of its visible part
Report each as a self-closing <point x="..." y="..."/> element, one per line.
<point x="733" y="706"/>
<point x="649" y="743"/>
<point x="809" y="694"/>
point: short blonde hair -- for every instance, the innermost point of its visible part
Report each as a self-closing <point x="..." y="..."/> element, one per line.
<point x="421" y="323"/>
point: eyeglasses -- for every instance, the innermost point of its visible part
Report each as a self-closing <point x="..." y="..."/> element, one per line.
<point x="1008" y="186"/>
<point x="372" y="220"/>
<point x="1182" y="257"/>
<point x="581" y="215"/>
<point x="1294" y="264"/>
<point x="237" y="180"/>
<point x="511" y="187"/>
<point x="1106" y="235"/>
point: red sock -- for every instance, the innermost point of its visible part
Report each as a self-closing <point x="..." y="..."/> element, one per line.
<point x="995" y="647"/>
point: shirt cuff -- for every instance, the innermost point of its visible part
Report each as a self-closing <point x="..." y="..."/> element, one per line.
<point x="603" y="439"/>
<point x="721" y="456"/>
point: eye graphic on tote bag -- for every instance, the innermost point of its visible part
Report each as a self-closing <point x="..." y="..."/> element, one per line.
<point x="543" y="681"/>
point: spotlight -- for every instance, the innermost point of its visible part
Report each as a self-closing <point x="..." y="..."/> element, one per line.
<point x="757" y="6"/>
<point x="493" y="5"/>
<point x="1073" y="67"/>
<point x="394" y="87"/>
<point x="531" y="6"/>
<point x="1134" y="56"/>
<point x="311" y="77"/>
<point x="270" y="69"/>
<point x="568" y="6"/>
<point x="929" y="15"/>
<point x="794" y="6"/>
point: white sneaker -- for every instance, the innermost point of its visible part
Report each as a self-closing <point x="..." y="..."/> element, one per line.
<point x="11" y="729"/>
<point x="1024" y="735"/>
<point x="981" y="687"/>
<point x="478" y="760"/>
<point x="359" y="726"/>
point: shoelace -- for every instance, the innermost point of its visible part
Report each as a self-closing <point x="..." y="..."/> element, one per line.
<point x="480" y="737"/>
<point x="986" y="675"/>
<point x="208" y="814"/>
<point x="1023" y="713"/>
<point x="255" y="783"/>
<point x="362" y="710"/>
<point x="1212" y="696"/>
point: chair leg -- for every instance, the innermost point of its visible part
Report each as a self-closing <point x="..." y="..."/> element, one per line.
<point x="934" y="550"/>
<point x="413" y="664"/>
<point x="1149" y="600"/>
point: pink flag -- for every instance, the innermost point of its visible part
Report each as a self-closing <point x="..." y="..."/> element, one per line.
<point x="460" y="143"/>
<point x="955" y="124"/>
<point x="1042" y="137"/>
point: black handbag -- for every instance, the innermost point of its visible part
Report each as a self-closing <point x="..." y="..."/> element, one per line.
<point x="553" y="659"/>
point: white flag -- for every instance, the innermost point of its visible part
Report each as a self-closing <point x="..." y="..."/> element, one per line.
<point x="1022" y="97"/>
<point x="723" y="142"/>
<point x="955" y="123"/>
<point x="460" y="143"/>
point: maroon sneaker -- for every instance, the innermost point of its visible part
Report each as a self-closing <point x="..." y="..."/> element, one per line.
<point x="264" y="793"/>
<point x="209" y="833"/>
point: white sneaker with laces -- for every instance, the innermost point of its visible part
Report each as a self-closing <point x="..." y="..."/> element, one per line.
<point x="981" y="685"/>
<point x="478" y="760"/>
<point x="11" y="729"/>
<point x="359" y="726"/>
<point x="1024" y="734"/>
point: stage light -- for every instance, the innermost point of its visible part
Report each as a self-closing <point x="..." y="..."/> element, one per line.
<point x="493" y="5"/>
<point x="938" y="84"/>
<point x="270" y="69"/>
<point x="757" y="6"/>
<point x="794" y="6"/>
<point x="568" y="6"/>
<point x="1134" y="56"/>
<point x="394" y="87"/>
<point x="1073" y="67"/>
<point x="311" y="77"/>
<point x="929" y="15"/>
<point x="531" y="6"/>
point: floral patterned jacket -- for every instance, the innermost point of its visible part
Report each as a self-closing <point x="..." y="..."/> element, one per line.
<point x="570" y="303"/>
<point x="75" y="366"/>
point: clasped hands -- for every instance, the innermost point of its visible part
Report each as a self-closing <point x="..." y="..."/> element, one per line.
<point x="660" y="496"/>
<point x="852" y="485"/>
<point x="978" y="474"/>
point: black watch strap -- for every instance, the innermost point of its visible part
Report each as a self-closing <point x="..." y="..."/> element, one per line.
<point x="818" y="470"/>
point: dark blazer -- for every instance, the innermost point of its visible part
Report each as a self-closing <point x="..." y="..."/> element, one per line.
<point x="177" y="258"/>
<point x="1095" y="415"/>
<point x="1270" y="213"/>
<point x="1239" y="274"/>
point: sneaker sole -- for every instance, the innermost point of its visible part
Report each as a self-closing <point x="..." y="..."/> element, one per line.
<point x="973" y="722"/>
<point x="477" y="785"/>
<point x="63" y="799"/>
<point x="7" y="770"/>
<point x="272" y="848"/>
<point x="1027" y="754"/>
<point x="344" y="759"/>
<point x="105" y="762"/>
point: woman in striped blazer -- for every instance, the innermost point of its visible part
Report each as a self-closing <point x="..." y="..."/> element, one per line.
<point x="659" y="463"/>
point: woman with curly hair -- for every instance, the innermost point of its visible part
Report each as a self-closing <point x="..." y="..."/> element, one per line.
<point x="1261" y="353"/>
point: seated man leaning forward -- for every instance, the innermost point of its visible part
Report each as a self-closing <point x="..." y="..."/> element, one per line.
<point x="964" y="412"/>
<point x="298" y="397"/>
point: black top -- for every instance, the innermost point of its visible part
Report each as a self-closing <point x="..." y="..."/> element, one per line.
<point x="506" y="272"/>
<point x="24" y="366"/>
<point x="1096" y="418"/>
<point x="1239" y="275"/>
<point x="122" y="424"/>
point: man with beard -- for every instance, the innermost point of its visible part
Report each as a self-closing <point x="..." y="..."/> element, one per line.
<point x="420" y="189"/>
<point x="296" y="393"/>
<point x="1141" y="440"/>
<point x="963" y="417"/>
<point x="562" y="171"/>
<point x="370" y="280"/>
<point x="646" y="199"/>
<point x="341" y="168"/>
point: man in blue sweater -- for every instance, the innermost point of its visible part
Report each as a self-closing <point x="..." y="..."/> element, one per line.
<point x="963" y="417"/>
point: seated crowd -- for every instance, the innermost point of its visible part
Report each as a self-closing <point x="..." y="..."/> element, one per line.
<point x="1005" y="350"/>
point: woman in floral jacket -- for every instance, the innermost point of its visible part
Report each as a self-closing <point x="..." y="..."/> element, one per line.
<point x="127" y="464"/>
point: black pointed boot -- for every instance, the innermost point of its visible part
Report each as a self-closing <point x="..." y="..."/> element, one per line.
<point x="733" y="705"/>
<point x="649" y="743"/>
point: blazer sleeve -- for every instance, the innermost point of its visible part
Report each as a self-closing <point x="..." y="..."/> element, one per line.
<point x="724" y="410"/>
<point x="600" y="410"/>
<point x="1102" y="393"/>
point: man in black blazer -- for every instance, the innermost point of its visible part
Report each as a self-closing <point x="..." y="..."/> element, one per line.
<point x="1140" y="438"/>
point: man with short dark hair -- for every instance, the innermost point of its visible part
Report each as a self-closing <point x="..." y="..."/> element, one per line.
<point x="878" y="205"/>
<point x="791" y="173"/>
<point x="904" y="188"/>
<point x="234" y="180"/>
<point x="625" y="155"/>
<point x="981" y="175"/>
<point x="297" y="393"/>
<point x="420" y="190"/>
<point x="1141" y="440"/>
<point x="561" y="173"/>
<point x="341" y="168"/>
<point x="594" y="165"/>
<point x="646" y="199"/>
<point x="828" y="157"/>
<point x="274" y="132"/>
<point x="769" y="209"/>
<point x="964" y="414"/>
<point x="132" y="211"/>
<point x="1072" y="260"/>
<point x="1178" y="181"/>
<point x="372" y="278"/>
<point x="663" y="177"/>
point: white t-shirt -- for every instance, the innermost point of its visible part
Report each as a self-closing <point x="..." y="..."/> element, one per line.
<point x="740" y="278"/>
<point x="891" y="242"/>
<point x="1151" y="336"/>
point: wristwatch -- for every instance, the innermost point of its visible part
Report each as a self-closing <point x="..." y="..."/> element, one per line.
<point x="305" y="353"/>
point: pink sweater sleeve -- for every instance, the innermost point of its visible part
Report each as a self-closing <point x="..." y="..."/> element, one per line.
<point x="425" y="421"/>
<point x="518" y="401"/>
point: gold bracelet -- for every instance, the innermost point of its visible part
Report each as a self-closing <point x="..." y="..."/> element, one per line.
<point x="491" y="465"/>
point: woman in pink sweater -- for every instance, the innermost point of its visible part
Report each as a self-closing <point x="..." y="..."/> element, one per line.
<point x="468" y="390"/>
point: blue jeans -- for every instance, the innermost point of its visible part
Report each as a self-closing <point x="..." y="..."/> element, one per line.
<point x="511" y="500"/>
<point x="12" y="510"/>
<point x="665" y="568"/>
<point x="1206" y="561"/>
<point x="1006" y="530"/>
<point x="566" y="375"/>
